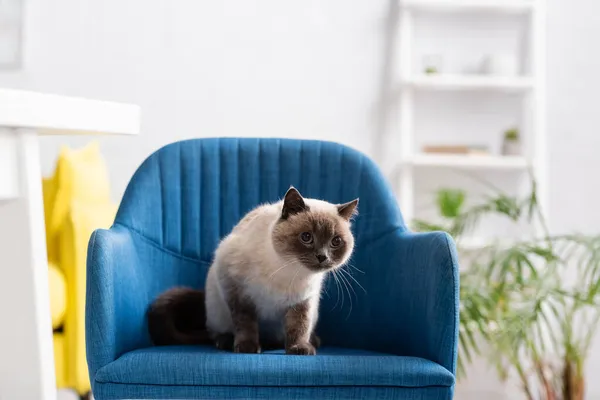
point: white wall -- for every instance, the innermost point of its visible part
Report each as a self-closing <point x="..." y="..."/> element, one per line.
<point x="319" y="69"/>
<point x="574" y="128"/>
<point x="211" y="68"/>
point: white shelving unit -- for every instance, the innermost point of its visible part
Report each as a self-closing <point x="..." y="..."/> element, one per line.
<point x="479" y="162"/>
<point x="528" y="87"/>
<point x="498" y="6"/>
<point x="458" y="82"/>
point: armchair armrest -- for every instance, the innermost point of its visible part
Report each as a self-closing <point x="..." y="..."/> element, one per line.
<point x="425" y="268"/>
<point x="116" y="297"/>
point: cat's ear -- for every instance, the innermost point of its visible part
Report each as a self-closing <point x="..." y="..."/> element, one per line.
<point x="293" y="203"/>
<point x="348" y="210"/>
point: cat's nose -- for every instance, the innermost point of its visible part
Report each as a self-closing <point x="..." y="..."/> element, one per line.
<point x="321" y="257"/>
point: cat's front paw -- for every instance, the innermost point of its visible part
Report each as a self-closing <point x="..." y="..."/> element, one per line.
<point x="301" y="349"/>
<point x="224" y="341"/>
<point x="246" y="347"/>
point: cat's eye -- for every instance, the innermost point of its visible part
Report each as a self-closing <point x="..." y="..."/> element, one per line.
<point x="306" y="237"/>
<point x="336" y="241"/>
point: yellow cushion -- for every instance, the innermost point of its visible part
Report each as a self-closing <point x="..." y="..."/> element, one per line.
<point x="76" y="202"/>
<point x="58" y="295"/>
<point x="81" y="175"/>
<point x="49" y="187"/>
<point x="59" y="359"/>
<point x="84" y="219"/>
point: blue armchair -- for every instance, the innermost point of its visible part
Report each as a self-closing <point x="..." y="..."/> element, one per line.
<point x="397" y="339"/>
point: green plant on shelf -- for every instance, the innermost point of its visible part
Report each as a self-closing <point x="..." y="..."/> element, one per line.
<point x="431" y="70"/>
<point x="511" y="135"/>
<point x="515" y="300"/>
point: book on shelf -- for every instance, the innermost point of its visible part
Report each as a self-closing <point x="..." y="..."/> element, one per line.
<point x="456" y="149"/>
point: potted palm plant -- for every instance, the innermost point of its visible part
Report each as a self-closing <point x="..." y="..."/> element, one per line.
<point x="514" y="296"/>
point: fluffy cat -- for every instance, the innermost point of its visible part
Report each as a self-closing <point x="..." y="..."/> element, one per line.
<point x="264" y="286"/>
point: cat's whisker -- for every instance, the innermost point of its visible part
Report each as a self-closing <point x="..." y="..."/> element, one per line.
<point x="341" y="290"/>
<point x="293" y="279"/>
<point x="289" y="262"/>
<point x="358" y="270"/>
<point x="337" y="286"/>
<point x="276" y="271"/>
<point x="354" y="279"/>
<point x="304" y="259"/>
<point x="349" y="283"/>
<point x="346" y="284"/>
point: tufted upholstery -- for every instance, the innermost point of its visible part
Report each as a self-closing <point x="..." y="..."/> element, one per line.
<point x="188" y="195"/>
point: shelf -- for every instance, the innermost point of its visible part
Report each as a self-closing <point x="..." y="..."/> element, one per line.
<point x="59" y="115"/>
<point x="469" y="161"/>
<point x="466" y="82"/>
<point x="488" y="6"/>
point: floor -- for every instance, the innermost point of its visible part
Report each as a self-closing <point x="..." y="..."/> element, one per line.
<point x="66" y="394"/>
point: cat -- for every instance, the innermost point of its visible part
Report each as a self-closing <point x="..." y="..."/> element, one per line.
<point x="264" y="285"/>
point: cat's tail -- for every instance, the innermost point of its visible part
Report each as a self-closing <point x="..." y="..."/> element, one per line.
<point x="178" y="317"/>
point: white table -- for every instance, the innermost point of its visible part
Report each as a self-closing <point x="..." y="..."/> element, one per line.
<point x="26" y="351"/>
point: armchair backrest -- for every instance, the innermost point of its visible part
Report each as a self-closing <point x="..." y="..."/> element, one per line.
<point x="188" y="195"/>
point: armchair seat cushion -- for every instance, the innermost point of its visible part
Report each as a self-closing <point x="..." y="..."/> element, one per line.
<point x="207" y="366"/>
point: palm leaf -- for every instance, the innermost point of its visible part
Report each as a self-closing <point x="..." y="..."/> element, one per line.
<point x="514" y="298"/>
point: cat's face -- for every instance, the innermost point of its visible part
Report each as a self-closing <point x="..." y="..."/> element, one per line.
<point x="314" y="232"/>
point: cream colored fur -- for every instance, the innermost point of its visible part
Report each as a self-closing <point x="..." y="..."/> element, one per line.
<point x="272" y="282"/>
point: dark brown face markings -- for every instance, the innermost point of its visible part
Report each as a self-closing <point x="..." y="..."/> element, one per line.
<point x="245" y="320"/>
<point x="323" y="227"/>
<point x="348" y="210"/>
<point x="297" y="327"/>
<point x="293" y="203"/>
